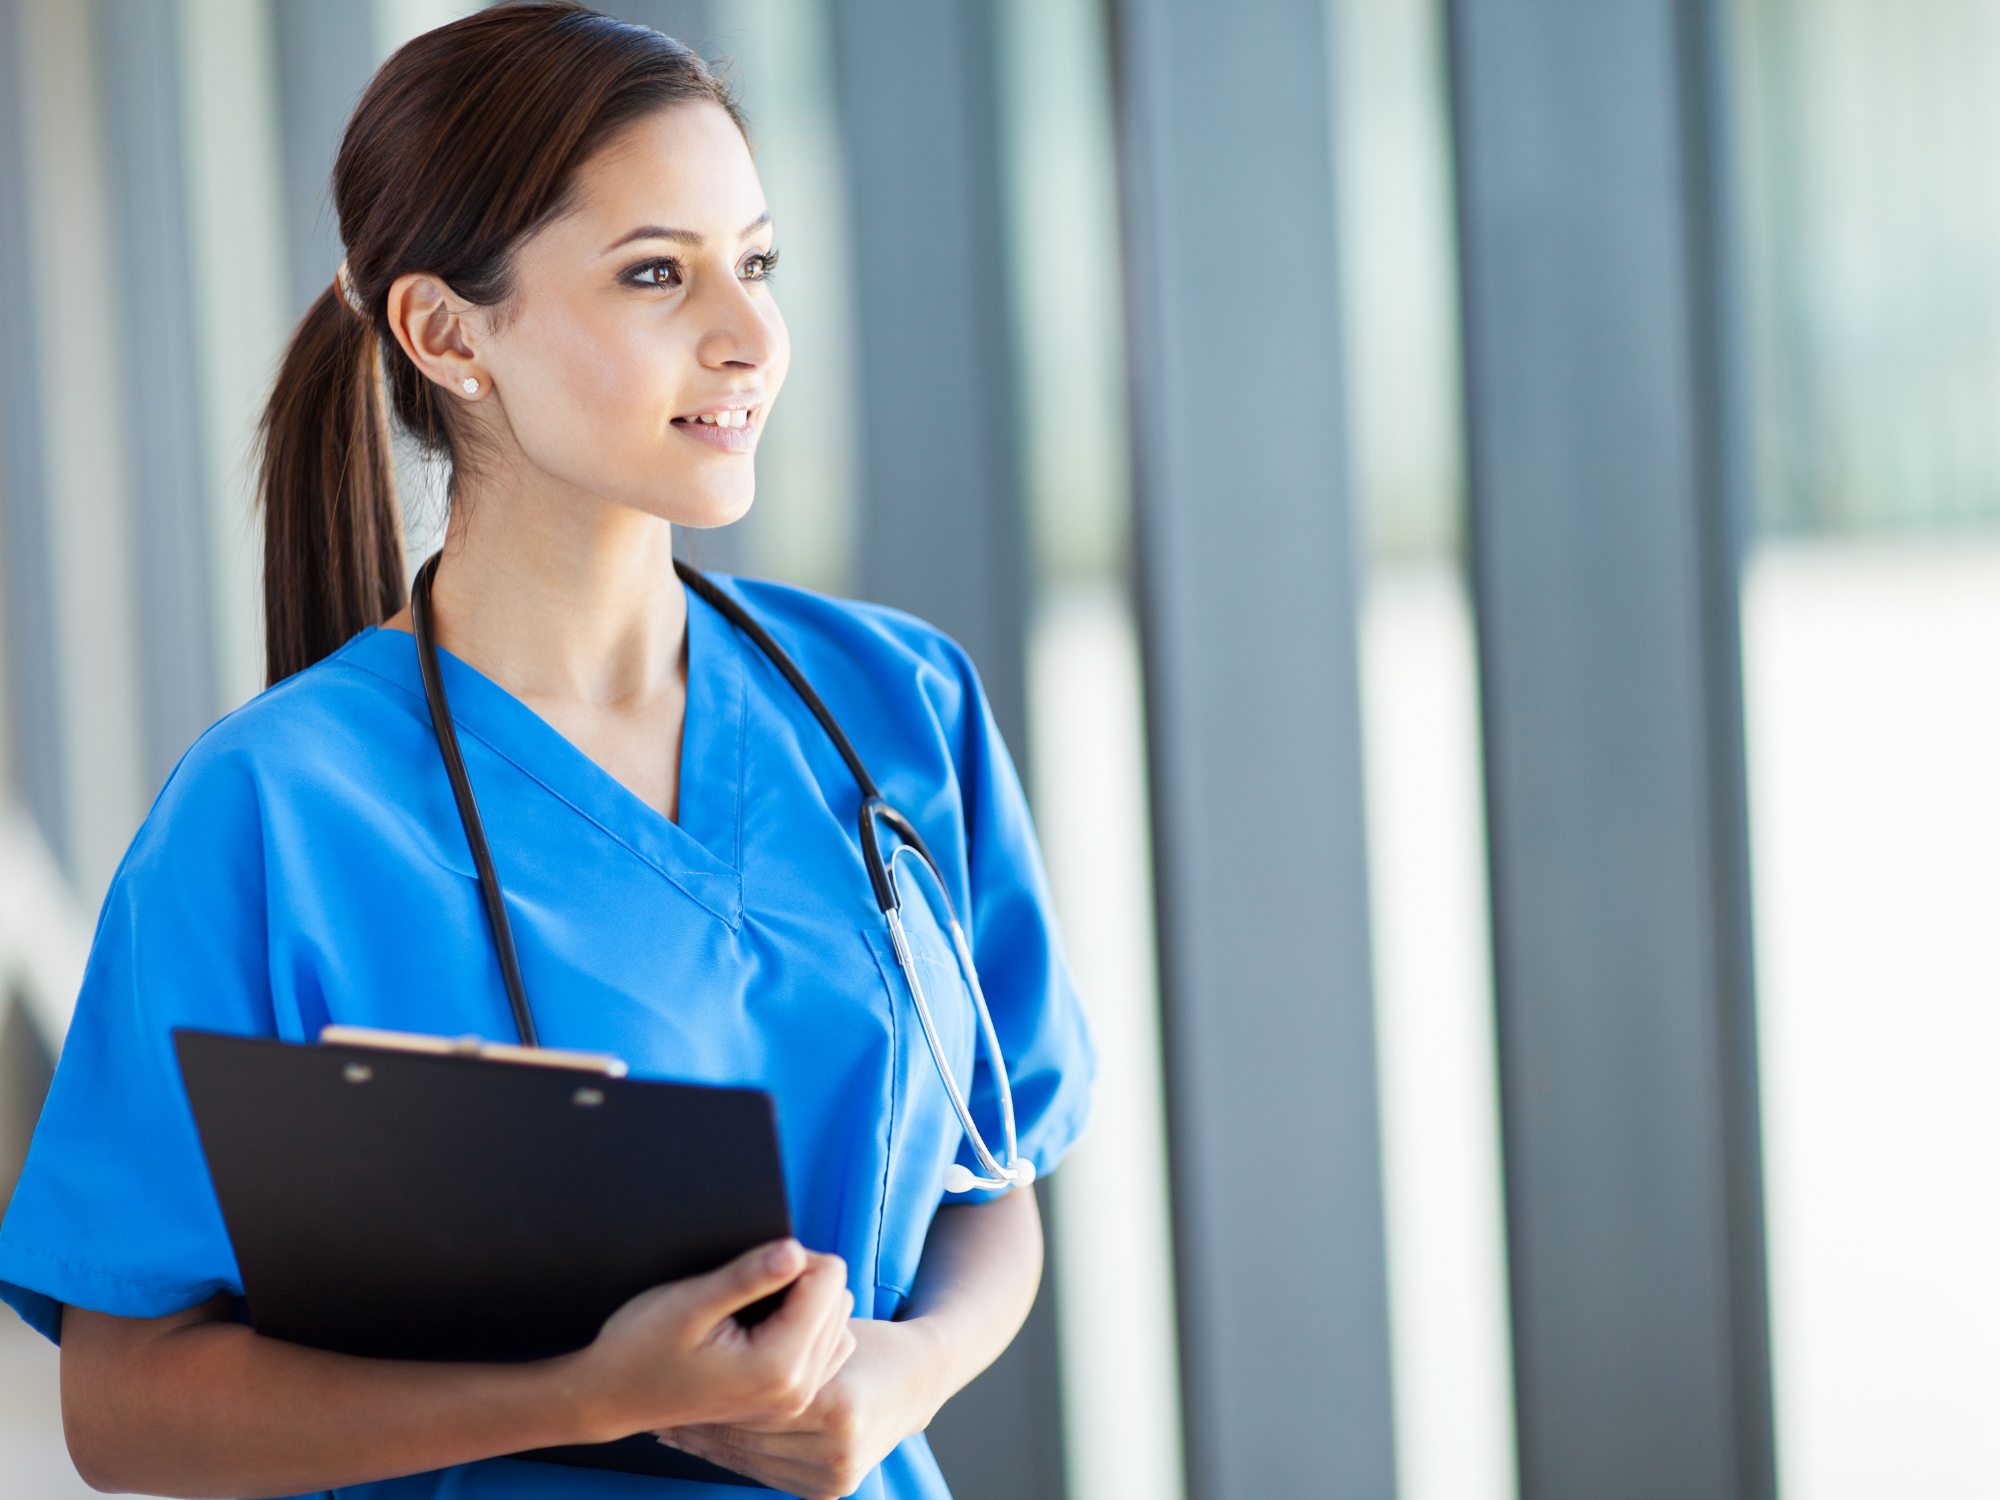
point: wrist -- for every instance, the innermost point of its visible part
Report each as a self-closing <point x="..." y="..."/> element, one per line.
<point x="930" y="1377"/>
<point x="579" y="1401"/>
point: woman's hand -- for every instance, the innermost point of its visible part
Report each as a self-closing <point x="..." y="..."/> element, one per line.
<point x="676" y="1354"/>
<point x="892" y="1387"/>
<point x="974" y="1286"/>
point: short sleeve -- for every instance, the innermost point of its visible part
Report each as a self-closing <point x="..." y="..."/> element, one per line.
<point x="114" y="1210"/>
<point x="1051" y="1063"/>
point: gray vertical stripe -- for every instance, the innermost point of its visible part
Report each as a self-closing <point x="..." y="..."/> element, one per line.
<point x="942" y="523"/>
<point x="1604" y="462"/>
<point x="1246" y="550"/>
<point x="34" y="710"/>
<point x="326" y="55"/>
<point x="176" y="646"/>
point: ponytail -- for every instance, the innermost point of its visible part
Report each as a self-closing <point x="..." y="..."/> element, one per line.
<point x="333" y="537"/>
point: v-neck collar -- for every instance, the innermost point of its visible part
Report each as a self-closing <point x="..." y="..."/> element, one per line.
<point x="702" y="854"/>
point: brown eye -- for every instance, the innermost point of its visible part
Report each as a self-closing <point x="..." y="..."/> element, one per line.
<point x="655" y="273"/>
<point x="759" y="267"/>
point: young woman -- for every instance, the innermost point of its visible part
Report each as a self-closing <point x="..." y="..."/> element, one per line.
<point x="558" y="268"/>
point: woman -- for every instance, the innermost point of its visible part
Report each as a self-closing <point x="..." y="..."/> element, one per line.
<point x="558" y="258"/>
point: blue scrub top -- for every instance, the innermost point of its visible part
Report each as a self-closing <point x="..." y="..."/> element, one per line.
<point x="305" y="864"/>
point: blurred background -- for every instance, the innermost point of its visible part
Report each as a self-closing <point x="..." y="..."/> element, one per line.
<point x="1481" y="524"/>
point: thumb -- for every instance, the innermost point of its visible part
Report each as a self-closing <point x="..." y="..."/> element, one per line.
<point x="752" y="1275"/>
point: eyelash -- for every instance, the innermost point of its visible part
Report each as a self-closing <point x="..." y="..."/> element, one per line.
<point x="765" y="263"/>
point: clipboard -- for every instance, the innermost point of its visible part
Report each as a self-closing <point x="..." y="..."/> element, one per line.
<point x="414" y="1198"/>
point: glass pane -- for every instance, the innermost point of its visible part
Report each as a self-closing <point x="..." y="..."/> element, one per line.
<point x="1870" y="135"/>
<point x="802" y="528"/>
<point x="1433" y="985"/>
<point x="1112" y="1249"/>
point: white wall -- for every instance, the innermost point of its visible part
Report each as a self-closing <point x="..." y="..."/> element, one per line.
<point x="1874" y="696"/>
<point x="1113" y="1247"/>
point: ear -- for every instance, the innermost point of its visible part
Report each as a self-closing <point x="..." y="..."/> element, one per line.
<point x="435" y="327"/>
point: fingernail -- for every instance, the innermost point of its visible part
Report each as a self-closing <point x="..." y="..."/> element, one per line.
<point x="669" y="1442"/>
<point x="783" y="1257"/>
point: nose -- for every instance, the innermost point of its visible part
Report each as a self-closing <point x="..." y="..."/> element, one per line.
<point x="743" y="332"/>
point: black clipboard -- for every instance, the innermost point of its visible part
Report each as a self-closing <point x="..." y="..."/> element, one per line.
<point x="441" y="1204"/>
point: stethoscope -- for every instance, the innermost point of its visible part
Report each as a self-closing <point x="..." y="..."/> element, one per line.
<point x="883" y="874"/>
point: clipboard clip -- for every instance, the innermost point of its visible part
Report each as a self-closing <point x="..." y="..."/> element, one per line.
<point x="601" y="1063"/>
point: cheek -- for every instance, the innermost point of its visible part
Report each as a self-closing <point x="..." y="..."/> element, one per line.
<point x="594" y="404"/>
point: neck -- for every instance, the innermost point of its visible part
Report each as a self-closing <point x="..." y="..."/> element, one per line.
<point x="563" y="600"/>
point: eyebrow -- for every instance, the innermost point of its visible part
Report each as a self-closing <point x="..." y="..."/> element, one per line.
<point x="686" y="237"/>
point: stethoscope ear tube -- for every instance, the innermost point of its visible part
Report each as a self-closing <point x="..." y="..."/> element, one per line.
<point x="468" y="806"/>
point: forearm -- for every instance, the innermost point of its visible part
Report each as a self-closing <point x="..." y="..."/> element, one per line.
<point x="192" y="1405"/>
<point x="210" y="1408"/>
<point x="981" y="1266"/>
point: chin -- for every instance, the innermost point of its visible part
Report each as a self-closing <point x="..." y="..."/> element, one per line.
<point x="710" y="511"/>
<point x="698" y="507"/>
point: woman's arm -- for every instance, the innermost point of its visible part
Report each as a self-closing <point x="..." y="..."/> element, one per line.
<point x="981" y="1265"/>
<point x="195" y="1405"/>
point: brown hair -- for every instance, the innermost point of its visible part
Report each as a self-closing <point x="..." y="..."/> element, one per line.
<point x="467" y="141"/>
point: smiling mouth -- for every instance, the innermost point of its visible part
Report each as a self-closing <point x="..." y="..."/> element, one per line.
<point x="733" y="429"/>
<point x="735" y="417"/>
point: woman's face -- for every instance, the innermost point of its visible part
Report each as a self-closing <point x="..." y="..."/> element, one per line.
<point x="641" y="349"/>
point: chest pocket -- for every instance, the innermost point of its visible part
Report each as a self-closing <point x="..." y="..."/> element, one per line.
<point x="925" y="1135"/>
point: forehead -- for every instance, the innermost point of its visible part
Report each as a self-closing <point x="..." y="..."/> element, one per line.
<point x="684" y="167"/>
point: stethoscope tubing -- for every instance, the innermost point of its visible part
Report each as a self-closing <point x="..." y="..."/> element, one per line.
<point x="881" y="879"/>
<point x="468" y="806"/>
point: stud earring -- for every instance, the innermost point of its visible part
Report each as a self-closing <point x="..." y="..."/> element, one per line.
<point x="470" y="385"/>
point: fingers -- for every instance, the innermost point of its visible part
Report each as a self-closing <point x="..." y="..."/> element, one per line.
<point x="758" y="1456"/>
<point x="829" y="1349"/>
<point x="676" y="1353"/>
<point x="715" y="1445"/>
<point x="818" y="1297"/>
<point x="839" y="1345"/>
<point x="798" y="1463"/>
<point x="753" y="1275"/>
<point x="794" y="1343"/>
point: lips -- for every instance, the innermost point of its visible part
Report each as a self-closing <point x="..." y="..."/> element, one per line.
<point x="733" y="429"/>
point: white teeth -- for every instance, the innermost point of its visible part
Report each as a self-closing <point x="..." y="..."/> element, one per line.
<point x="740" y="417"/>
